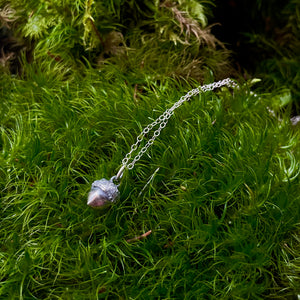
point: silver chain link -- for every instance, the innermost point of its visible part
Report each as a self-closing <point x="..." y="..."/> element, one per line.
<point x="162" y="121"/>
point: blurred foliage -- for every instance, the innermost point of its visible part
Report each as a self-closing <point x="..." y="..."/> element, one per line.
<point x="265" y="39"/>
<point x="131" y="34"/>
<point x="279" y="45"/>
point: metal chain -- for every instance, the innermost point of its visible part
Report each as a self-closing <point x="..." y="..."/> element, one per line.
<point x="162" y="121"/>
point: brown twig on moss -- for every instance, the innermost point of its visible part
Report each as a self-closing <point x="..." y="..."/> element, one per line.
<point x="96" y="32"/>
<point x="7" y="15"/>
<point x="137" y="238"/>
<point x="191" y="27"/>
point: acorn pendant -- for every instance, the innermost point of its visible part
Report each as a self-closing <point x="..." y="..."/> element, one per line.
<point x="102" y="193"/>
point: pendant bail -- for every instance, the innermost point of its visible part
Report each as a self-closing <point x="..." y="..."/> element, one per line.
<point x="120" y="173"/>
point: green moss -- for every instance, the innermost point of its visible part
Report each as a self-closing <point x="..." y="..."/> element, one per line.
<point x="219" y="188"/>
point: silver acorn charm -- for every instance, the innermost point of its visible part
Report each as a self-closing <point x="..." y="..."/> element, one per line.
<point x="103" y="192"/>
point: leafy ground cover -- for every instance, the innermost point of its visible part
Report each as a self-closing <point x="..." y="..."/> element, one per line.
<point x="210" y="212"/>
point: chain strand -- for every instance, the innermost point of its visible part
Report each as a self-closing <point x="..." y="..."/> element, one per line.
<point x="162" y="121"/>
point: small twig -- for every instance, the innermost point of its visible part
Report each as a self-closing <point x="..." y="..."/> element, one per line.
<point x="137" y="238"/>
<point x="31" y="14"/>
<point x="169" y="244"/>
<point x="55" y="57"/>
<point x="97" y="32"/>
<point x="5" y="58"/>
<point x="135" y="92"/>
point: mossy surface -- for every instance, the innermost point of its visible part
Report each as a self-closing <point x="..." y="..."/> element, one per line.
<point x="216" y="196"/>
